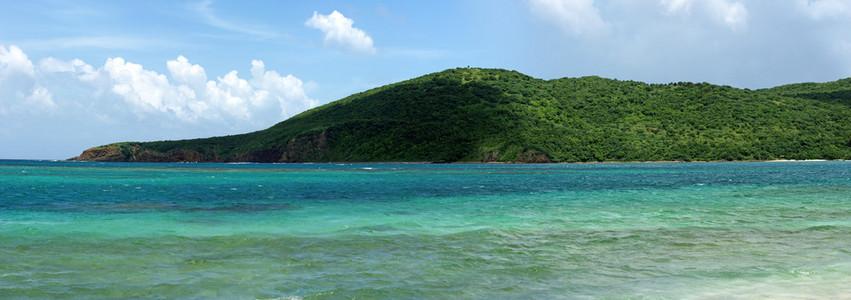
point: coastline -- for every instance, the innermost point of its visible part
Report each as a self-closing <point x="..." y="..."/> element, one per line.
<point x="463" y="162"/>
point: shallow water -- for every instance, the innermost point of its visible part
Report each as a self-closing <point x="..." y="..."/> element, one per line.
<point x="317" y="231"/>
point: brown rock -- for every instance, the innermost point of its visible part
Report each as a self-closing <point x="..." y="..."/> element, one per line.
<point x="102" y="153"/>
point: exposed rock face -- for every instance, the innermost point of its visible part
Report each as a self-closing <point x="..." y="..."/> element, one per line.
<point x="135" y="153"/>
<point x="261" y="156"/>
<point x="175" y="156"/>
<point x="103" y="153"/>
<point x="300" y="149"/>
<point x="185" y="156"/>
<point x="148" y="156"/>
<point x="306" y="148"/>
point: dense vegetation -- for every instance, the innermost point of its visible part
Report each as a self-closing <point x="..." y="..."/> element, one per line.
<point x="497" y="115"/>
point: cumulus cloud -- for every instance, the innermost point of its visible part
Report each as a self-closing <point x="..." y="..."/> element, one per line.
<point x="185" y="73"/>
<point x="576" y="17"/>
<point x="14" y="60"/>
<point x="191" y="97"/>
<point x="144" y="90"/>
<point x="16" y="77"/>
<point x="41" y="100"/>
<point x="135" y="103"/>
<point x="279" y="88"/>
<point x="340" y="33"/>
<point x="79" y="69"/>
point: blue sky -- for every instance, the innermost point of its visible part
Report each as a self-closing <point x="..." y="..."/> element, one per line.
<point x="76" y="74"/>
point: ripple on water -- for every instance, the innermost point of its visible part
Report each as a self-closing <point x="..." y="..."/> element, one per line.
<point x="541" y="232"/>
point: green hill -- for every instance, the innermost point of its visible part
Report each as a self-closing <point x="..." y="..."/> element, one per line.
<point x="483" y="115"/>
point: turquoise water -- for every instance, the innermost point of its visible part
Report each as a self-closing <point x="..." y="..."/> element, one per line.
<point x="329" y="231"/>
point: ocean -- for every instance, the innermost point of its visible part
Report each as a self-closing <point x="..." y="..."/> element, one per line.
<point x="425" y="231"/>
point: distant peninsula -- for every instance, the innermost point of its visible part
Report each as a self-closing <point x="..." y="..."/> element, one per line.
<point x="494" y="115"/>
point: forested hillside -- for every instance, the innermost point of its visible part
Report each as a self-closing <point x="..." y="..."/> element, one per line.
<point x="483" y="115"/>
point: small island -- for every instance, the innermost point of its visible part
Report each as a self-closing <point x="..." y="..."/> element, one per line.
<point x="494" y="115"/>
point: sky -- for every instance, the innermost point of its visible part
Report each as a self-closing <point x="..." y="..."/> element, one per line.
<point x="78" y="74"/>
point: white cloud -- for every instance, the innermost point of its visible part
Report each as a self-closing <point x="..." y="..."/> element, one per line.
<point x="205" y="10"/>
<point x="232" y="94"/>
<point x="184" y="72"/>
<point x="41" y="100"/>
<point x="577" y="17"/>
<point x="133" y="103"/>
<point x="84" y="71"/>
<point x="819" y="9"/>
<point x="288" y="91"/>
<point x="340" y="33"/>
<point x="753" y="44"/>
<point x="13" y="60"/>
<point x="145" y="90"/>
<point x="678" y="6"/>
<point x="17" y="78"/>
<point x="731" y="14"/>
<point x="266" y="98"/>
<point x="54" y="65"/>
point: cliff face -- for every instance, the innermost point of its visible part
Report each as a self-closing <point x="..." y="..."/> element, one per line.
<point x="307" y="148"/>
<point x="102" y="153"/>
<point x="487" y="115"/>
<point x="302" y="149"/>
